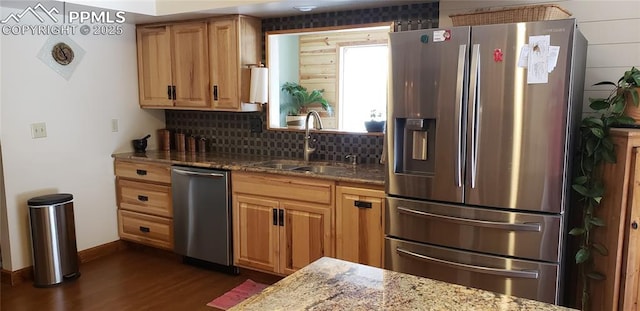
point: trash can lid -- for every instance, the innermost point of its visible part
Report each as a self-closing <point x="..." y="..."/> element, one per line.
<point x="50" y="199"/>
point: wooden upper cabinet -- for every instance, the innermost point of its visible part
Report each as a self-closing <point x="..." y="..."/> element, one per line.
<point x="190" y="64"/>
<point x="154" y="66"/>
<point x="201" y="65"/>
<point x="234" y="44"/>
<point x="173" y="65"/>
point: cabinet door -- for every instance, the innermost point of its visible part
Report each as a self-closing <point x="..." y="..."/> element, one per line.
<point x="223" y="47"/>
<point x="305" y="235"/>
<point x="630" y="285"/>
<point x="359" y="233"/>
<point x="190" y="64"/>
<point x="255" y="232"/>
<point x="154" y="66"/>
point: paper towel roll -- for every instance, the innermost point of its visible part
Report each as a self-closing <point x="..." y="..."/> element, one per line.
<point x="259" y="85"/>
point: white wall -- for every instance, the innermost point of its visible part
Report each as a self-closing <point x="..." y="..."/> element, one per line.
<point x="611" y="27"/>
<point x="75" y="157"/>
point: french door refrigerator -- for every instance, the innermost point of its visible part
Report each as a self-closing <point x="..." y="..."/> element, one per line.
<point x="481" y="125"/>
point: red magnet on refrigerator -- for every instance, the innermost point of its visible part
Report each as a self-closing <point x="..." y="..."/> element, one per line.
<point x="498" y="56"/>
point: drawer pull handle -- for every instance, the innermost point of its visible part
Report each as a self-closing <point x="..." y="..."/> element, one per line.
<point x="143" y="198"/>
<point x="141" y="172"/>
<point x="534" y="227"/>
<point x="524" y="274"/>
<point x="362" y="204"/>
<point x="145" y="229"/>
<point x="281" y="217"/>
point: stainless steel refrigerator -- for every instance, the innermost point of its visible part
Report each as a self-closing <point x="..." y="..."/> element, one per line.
<point x="481" y="125"/>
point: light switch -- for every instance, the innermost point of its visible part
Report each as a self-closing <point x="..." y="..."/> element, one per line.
<point x="38" y="130"/>
<point x="114" y="125"/>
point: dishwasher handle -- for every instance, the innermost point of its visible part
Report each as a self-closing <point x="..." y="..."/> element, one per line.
<point x="193" y="173"/>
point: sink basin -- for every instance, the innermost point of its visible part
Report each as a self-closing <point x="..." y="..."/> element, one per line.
<point x="326" y="169"/>
<point x="282" y="164"/>
<point x="301" y="166"/>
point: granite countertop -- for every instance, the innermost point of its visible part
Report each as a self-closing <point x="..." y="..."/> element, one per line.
<point x="362" y="173"/>
<point x="332" y="284"/>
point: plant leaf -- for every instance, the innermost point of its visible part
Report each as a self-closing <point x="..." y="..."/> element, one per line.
<point x="606" y="83"/>
<point x="582" y="255"/>
<point x="596" y="276"/>
<point x="625" y="120"/>
<point x="598" y="132"/>
<point x="600" y="249"/>
<point x="597" y="199"/>
<point x="593" y="121"/>
<point x="599" y="104"/>
<point x="597" y="222"/>
<point x="576" y="231"/>
<point x="581" y="180"/>
<point x="581" y="190"/>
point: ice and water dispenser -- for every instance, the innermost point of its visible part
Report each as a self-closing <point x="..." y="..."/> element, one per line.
<point x="415" y="145"/>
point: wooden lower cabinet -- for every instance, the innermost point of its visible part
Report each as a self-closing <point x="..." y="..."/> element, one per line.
<point x="305" y="234"/>
<point x="145" y="207"/>
<point x="277" y="230"/>
<point x="359" y="232"/>
<point x="620" y="209"/>
<point x="256" y="238"/>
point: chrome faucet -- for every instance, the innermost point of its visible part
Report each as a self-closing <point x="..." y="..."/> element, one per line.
<point x="317" y="123"/>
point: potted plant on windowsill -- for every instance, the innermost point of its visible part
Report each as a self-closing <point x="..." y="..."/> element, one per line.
<point x="617" y="110"/>
<point x="304" y="100"/>
<point x="376" y="124"/>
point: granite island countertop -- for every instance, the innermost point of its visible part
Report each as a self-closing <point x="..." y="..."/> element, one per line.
<point x="332" y="284"/>
<point x="361" y="173"/>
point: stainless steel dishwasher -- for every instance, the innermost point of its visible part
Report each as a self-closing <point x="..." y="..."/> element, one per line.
<point x="202" y="217"/>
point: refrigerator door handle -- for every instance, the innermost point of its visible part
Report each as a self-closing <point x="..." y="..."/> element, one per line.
<point x="524" y="274"/>
<point x="535" y="227"/>
<point x="462" y="55"/>
<point x="474" y="107"/>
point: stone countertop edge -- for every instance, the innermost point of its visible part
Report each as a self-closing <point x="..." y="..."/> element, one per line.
<point x="372" y="174"/>
<point x="333" y="284"/>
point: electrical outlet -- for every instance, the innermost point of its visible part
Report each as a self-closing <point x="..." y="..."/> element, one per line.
<point x="114" y="125"/>
<point x="38" y="130"/>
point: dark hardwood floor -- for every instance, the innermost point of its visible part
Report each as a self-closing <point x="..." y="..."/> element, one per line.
<point x="133" y="279"/>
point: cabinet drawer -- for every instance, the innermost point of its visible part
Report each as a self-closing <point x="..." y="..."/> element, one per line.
<point x="285" y="187"/>
<point x="145" y="198"/>
<point x="144" y="171"/>
<point x="146" y="229"/>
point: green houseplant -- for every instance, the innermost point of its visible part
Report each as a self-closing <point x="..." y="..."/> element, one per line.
<point x="376" y="124"/>
<point x="595" y="149"/>
<point x="302" y="99"/>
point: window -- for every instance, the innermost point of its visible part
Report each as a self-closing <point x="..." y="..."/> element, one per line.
<point x="363" y="84"/>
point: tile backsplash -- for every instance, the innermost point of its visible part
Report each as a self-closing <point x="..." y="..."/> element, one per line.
<point x="228" y="132"/>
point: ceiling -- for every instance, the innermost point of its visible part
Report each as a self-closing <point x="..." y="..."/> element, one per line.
<point x="147" y="11"/>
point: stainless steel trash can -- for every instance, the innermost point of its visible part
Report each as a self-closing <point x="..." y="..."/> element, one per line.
<point x="53" y="239"/>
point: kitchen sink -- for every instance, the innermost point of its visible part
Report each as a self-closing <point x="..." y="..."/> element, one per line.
<point x="301" y="166"/>
<point x="326" y="169"/>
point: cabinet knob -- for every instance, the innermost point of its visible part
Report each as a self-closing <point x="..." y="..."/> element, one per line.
<point x="634" y="225"/>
